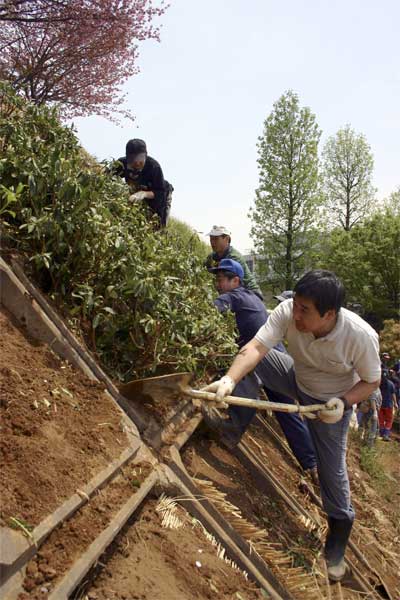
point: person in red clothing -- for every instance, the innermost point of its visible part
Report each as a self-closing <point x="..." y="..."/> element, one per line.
<point x="389" y="403"/>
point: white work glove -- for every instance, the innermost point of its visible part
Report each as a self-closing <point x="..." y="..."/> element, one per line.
<point x="137" y="196"/>
<point x="309" y="415"/>
<point x="334" y="415"/>
<point x="223" y="387"/>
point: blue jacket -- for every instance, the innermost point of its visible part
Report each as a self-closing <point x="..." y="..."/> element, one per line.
<point x="250" y="313"/>
<point x="387" y="390"/>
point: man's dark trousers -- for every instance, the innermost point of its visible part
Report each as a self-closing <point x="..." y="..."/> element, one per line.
<point x="294" y="428"/>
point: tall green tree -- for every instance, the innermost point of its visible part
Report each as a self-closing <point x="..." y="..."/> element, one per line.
<point x="287" y="198"/>
<point x="347" y="172"/>
<point x="367" y="260"/>
<point x="393" y="202"/>
<point x="390" y="338"/>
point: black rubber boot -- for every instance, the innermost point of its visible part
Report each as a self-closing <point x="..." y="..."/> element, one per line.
<point x="335" y="546"/>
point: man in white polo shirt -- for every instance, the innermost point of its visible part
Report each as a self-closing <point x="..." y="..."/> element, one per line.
<point x="333" y="359"/>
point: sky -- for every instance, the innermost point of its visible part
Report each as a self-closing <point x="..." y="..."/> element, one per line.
<point x="205" y="90"/>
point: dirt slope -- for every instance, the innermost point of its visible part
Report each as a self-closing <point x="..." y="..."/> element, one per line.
<point x="58" y="428"/>
<point x="377" y="528"/>
<point x="148" y="562"/>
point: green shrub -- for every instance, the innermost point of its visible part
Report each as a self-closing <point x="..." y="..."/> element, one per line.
<point x="142" y="298"/>
<point x="188" y="236"/>
<point x="390" y="338"/>
<point x="371" y="463"/>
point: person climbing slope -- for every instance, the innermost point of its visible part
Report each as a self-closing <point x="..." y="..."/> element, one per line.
<point x="145" y="178"/>
<point x="333" y="359"/>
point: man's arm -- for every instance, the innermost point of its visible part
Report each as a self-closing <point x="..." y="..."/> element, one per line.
<point x="359" y="392"/>
<point x="367" y="365"/>
<point x="158" y="182"/>
<point x="271" y="333"/>
<point x="142" y="195"/>
<point x="247" y="359"/>
<point x="254" y="351"/>
<point x="149" y="195"/>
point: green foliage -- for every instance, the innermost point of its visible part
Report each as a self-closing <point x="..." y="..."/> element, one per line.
<point x="393" y="202"/>
<point x="381" y="464"/>
<point x="370" y="463"/>
<point x="9" y="196"/>
<point x="347" y="173"/>
<point x="287" y="199"/>
<point x="390" y="338"/>
<point x="367" y="260"/>
<point x="142" y="297"/>
<point x="188" y="237"/>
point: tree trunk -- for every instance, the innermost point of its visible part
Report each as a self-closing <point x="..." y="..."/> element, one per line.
<point x="289" y="247"/>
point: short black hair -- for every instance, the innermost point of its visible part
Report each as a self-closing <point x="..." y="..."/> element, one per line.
<point x="229" y="274"/>
<point x="324" y="288"/>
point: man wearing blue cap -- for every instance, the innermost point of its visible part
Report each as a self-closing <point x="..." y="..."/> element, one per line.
<point x="250" y="315"/>
<point x="220" y="241"/>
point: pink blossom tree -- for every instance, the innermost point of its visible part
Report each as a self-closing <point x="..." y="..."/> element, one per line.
<point x="74" y="53"/>
<point x="37" y="11"/>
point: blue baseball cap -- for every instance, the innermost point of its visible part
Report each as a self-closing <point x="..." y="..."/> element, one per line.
<point x="227" y="264"/>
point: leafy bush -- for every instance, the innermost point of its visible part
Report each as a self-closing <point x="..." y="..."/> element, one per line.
<point x="141" y="297"/>
<point x="390" y="338"/>
<point x="188" y="236"/>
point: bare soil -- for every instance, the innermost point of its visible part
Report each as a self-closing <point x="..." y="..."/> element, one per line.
<point x="150" y="562"/>
<point x="206" y="459"/>
<point x="377" y="526"/>
<point x="67" y="543"/>
<point x="58" y="428"/>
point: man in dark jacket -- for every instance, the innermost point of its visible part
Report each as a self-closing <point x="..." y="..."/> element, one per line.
<point x="145" y="178"/>
<point x="250" y="315"/>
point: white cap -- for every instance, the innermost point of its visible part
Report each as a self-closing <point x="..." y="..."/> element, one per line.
<point x="219" y="230"/>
